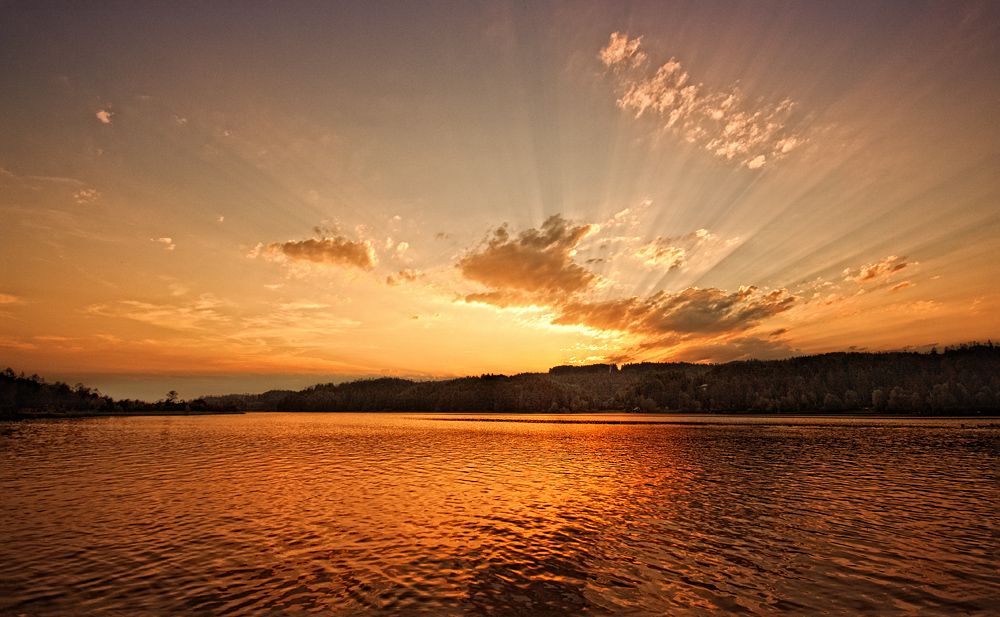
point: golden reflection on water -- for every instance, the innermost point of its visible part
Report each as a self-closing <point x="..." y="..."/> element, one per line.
<point x="362" y="514"/>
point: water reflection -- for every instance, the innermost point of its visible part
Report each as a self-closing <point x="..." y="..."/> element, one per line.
<point x="362" y="514"/>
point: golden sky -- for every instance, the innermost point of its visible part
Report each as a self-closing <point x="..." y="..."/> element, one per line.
<point x="241" y="196"/>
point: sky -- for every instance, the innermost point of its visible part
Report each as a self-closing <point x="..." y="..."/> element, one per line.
<point x="215" y="197"/>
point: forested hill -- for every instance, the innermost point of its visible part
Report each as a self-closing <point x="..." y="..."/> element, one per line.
<point x="964" y="379"/>
<point x="960" y="380"/>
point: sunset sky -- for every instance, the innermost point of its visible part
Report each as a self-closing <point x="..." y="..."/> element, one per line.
<point x="236" y="196"/>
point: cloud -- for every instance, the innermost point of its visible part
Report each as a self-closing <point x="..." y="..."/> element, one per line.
<point x="104" y="116"/>
<point x="536" y="268"/>
<point x="878" y="271"/>
<point x="902" y="285"/>
<point x="12" y="344"/>
<point x="9" y="299"/>
<point x="675" y="252"/>
<point x="509" y="299"/>
<point x="177" y="289"/>
<point x="35" y="180"/>
<point x="692" y="311"/>
<point x="86" y="196"/>
<point x="298" y="323"/>
<point x="336" y="251"/>
<point x="537" y="262"/>
<point x="622" y="52"/>
<point x="197" y="315"/>
<point x="725" y="123"/>
<point x="922" y="306"/>
<point x="169" y="243"/>
<point x="403" y="276"/>
<point x="655" y="253"/>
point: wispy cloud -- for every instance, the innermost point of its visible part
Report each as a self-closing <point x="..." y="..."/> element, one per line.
<point x="9" y="299"/>
<point x="672" y="253"/>
<point x="86" y="196"/>
<point x="35" y="180"/>
<point x="660" y="254"/>
<point x="297" y="323"/>
<point x="167" y="241"/>
<point x="878" y="271"/>
<point x="177" y="289"/>
<point x="15" y="344"/>
<point x="201" y="314"/>
<point x="726" y="123"/>
<point x="337" y="251"/>
<point x="621" y="237"/>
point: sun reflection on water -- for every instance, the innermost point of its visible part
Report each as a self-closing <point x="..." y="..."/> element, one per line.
<point x="457" y="515"/>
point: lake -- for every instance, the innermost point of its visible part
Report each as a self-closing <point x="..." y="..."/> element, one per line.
<point x="358" y="514"/>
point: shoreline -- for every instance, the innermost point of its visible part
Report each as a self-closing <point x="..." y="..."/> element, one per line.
<point x="600" y="417"/>
<point x="19" y="416"/>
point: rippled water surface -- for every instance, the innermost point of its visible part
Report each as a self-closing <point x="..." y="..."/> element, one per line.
<point x="402" y="514"/>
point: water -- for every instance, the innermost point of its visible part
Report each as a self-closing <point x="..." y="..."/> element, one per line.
<point x="272" y="514"/>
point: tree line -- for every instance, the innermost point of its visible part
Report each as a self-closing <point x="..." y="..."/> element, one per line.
<point x="962" y="379"/>
<point x="34" y="397"/>
<point x="959" y="380"/>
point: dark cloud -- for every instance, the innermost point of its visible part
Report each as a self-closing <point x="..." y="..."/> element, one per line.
<point x="339" y="251"/>
<point x="537" y="261"/>
<point x="692" y="311"/>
